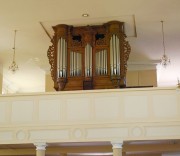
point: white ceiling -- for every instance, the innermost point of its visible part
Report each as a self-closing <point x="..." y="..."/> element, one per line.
<point x="32" y="42"/>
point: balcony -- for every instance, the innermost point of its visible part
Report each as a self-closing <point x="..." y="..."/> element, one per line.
<point x="85" y="116"/>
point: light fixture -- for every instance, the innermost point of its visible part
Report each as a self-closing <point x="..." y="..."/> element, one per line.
<point x="85" y="15"/>
<point x="178" y="83"/>
<point x="14" y="67"/>
<point x="165" y="61"/>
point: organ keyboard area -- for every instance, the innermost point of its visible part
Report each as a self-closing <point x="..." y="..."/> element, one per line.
<point x="89" y="57"/>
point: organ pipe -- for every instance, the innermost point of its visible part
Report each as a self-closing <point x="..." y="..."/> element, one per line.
<point x="62" y="58"/>
<point x="88" y="60"/>
<point x="75" y="63"/>
<point x="115" y="55"/>
<point x="101" y="62"/>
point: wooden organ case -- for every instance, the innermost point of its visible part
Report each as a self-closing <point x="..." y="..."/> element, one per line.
<point x="89" y="57"/>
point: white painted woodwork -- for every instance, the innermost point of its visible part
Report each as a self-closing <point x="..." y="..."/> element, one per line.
<point x="97" y="115"/>
<point x="141" y="77"/>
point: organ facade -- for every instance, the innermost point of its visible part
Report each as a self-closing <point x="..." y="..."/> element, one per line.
<point x="89" y="57"/>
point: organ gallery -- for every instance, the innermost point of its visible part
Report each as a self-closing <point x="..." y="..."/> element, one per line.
<point x="89" y="57"/>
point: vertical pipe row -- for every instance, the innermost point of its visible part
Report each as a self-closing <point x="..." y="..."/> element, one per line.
<point x="88" y="51"/>
<point x="61" y="51"/>
<point x="58" y="60"/>
<point x="75" y="63"/>
<point x="66" y="58"/>
<point x="105" y="62"/>
<point x="111" y="56"/>
<point x="101" y="56"/>
<point x="115" y="55"/>
<point x="62" y="57"/>
<point x="101" y="62"/>
<point x="104" y="68"/>
<point x="71" y="64"/>
<point x="88" y="60"/>
<point x="97" y="65"/>
<point x="78" y="64"/>
<point x="118" y="55"/>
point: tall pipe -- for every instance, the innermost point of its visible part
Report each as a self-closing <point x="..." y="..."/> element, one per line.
<point x="90" y="61"/>
<point x="77" y="64"/>
<point x="80" y="64"/>
<point x="61" y="51"/>
<point x="86" y="63"/>
<point x="111" y="56"/>
<point x="71" y="73"/>
<point x="58" y="60"/>
<point x="66" y="59"/>
<point x="115" y="54"/>
<point x="106" y="62"/>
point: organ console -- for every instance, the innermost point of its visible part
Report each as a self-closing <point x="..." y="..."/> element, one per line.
<point x="89" y="57"/>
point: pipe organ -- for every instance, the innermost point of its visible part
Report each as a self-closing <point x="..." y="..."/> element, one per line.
<point x="89" y="57"/>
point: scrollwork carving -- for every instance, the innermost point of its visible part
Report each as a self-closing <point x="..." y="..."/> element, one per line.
<point x="76" y="43"/>
<point x="124" y="58"/>
<point x="51" y="57"/>
<point x="61" y="83"/>
<point x="101" y="42"/>
<point x="127" y="50"/>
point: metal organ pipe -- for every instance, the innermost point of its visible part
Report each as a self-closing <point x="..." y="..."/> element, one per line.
<point x="62" y="58"/>
<point x="101" y="62"/>
<point x="105" y="62"/>
<point x="71" y="64"/>
<point x="66" y="58"/>
<point x="115" y="55"/>
<point x="111" y="56"/>
<point x="58" y="60"/>
<point x="79" y="64"/>
<point x="88" y="60"/>
<point x="97" y="65"/>
<point x="75" y="63"/>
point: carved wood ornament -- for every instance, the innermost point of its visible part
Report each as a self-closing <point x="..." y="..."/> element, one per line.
<point x="89" y="57"/>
